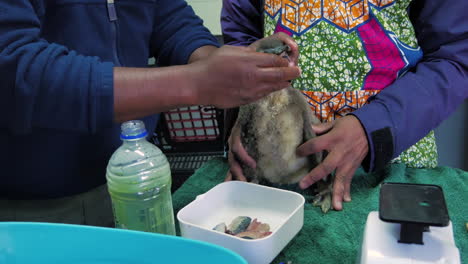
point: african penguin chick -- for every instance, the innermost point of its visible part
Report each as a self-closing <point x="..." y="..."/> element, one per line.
<point x="271" y="130"/>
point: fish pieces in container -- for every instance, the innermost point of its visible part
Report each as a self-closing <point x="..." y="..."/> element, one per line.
<point x="282" y="211"/>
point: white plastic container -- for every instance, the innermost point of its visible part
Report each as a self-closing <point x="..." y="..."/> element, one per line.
<point x="282" y="210"/>
<point x="380" y="245"/>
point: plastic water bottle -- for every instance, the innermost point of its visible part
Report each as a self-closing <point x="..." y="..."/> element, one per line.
<point x="139" y="182"/>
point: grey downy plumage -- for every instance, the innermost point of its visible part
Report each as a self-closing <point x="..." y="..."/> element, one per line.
<point x="271" y="130"/>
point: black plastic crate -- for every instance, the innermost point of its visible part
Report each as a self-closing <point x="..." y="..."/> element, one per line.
<point x="190" y="136"/>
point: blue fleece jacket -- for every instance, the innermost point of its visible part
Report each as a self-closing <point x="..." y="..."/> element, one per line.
<point x="56" y="79"/>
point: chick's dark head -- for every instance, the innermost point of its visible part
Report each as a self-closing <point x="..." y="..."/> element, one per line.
<point x="273" y="46"/>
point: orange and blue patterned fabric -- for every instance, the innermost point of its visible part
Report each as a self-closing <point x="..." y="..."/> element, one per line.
<point x="350" y="50"/>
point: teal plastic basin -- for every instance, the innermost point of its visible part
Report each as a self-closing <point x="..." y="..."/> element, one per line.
<point x="28" y="243"/>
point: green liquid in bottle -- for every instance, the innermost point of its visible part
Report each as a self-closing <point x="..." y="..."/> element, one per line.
<point x="148" y="211"/>
<point x="139" y="183"/>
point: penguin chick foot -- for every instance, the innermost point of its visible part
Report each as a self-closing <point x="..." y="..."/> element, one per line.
<point x="323" y="198"/>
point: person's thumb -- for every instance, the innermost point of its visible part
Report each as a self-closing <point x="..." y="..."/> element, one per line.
<point x="322" y="128"/>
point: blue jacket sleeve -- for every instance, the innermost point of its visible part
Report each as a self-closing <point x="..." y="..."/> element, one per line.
<point x="45" y="85"/>
<point x="419" y="101"/>
<point x="177" y="33"/>
<point x="241" y="21"/>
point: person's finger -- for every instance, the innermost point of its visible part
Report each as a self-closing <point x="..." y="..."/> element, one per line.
<point x="228" y="176"/>
<point x="288" y="40"/>
<point x="321" y="171"/>
<point x="338" y="191"/>
<point x="267" y="60"/>
<point x="347" y="185"/>
<point x="354" y="165"/>
<point x="347" y="192"/>
<point x="239" y="153"/>
<point x="236" y="169"/>
<point x="278" y="74"/>
<point x="322" y="127"/>
<point x="342" y="184"/>
<point x="237" y="173"/>
<point x="237" y="48"/>
<point x="312" y="146"/>
<point x="294" y="52"/>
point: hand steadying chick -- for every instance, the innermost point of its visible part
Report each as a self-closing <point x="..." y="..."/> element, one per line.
<point x="271" y="130"/>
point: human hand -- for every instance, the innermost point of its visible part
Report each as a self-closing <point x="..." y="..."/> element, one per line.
<point x="347" y="146"/>
<point x="237" y="154"/>
<point x="233" y="76"/>
<point x="288" y="40"/>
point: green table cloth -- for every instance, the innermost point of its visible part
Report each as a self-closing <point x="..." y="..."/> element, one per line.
<point x="336" y="237"/>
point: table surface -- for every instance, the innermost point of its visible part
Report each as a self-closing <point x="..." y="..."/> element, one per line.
<point x="336" y="237"/>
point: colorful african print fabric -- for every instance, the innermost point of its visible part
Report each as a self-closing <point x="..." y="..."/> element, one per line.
<point x="350" y="51"/>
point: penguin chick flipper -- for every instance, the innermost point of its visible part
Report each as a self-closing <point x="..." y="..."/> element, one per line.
<point x="323" y="197"/>
<point x="309" y="119"/>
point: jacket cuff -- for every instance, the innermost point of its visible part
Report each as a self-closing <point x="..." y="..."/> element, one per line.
<point x="375" y="120"/>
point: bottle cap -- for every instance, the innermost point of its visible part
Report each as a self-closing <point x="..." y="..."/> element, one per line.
<point x="133" y="129"/>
